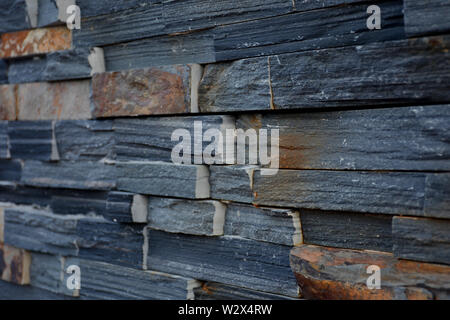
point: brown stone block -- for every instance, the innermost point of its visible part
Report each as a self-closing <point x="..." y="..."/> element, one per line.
<point x="14" y="264"/>
<point x="330" y="273"/>
<point x="53" y="100"/>
<point x="158" y="90"/>
<point x="8" y="96"/>
<point x="36" y="41"/>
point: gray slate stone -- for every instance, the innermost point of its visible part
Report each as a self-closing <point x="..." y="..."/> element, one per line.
<point x="4" y="140"/>
<point x="371" y="192"/>
<point x="220" y="291"/>
<point x="347" y="230"/>
<point x="186" y="216"/>
<point x="422" y="239"/>
<point x="27" y="70"/>
<point x="426" y="17"/>
<point x="130" y="284"/>
<point x="437" y="198"/>
<point x="73" y="175"/>
<point x="41" y="231"/>
<point x="250" y="264"/>
<point x="10" y="291"/>
<point x="231" y="183"/>
<point x="281" y="226"/>
<point x="32" y="140"/>
<point x="121" y="26"/>
<point x="126" y="207"/>
<point x="163" y="179"/>
<point x="85" y="139"/>
<point x="10" y="170"/>
<point x="149" y="139"/>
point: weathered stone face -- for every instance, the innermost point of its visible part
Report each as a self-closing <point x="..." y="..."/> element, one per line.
<point x="7" y="102"/>
<point x="14" y="264"/>
<point x="141" y="92"/>
<point x="53" y="101"/>
<point x="37" y="41"/>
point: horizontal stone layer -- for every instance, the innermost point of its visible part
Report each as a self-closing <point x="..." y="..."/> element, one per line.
<point x="426" y="17"/>
<point x="150" y="139"/>
<point x="329" y="273"/>
<point x="347" y="230"/>
<point x="126" y="207"/>
<point x="72" y="175"/>
<point x="280" y="226"/>
<point x="84" y="236"/>
<point x="4" y="140"/>
<point x="32" y="140"/>
<point x="10" y="171"/>
<point x="85" y="139"/>
<point x="356" y="191"/>
<point x="126" y="283"/>
<point x="384" y="73"/>
<point x="235" y="261"/>
<point x="14" y="264"/>
<point x="45" y="101"/>
<point x="37" y="41"/>
<point x="159" y="90"/>
<point x="186" y="216"/>
<point x="421" y="239"/>
<point x="163" y="179"/>
<point x="220" y="291"/>
<point x="360" y="139"/>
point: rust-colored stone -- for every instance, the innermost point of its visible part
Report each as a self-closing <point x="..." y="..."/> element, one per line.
<point x="54" y="101"/>
<point x="14" y="264"/>
<point x="331" y="273"/>
<point x="162" y="90"/>
<point x="36" y="41"/>
<point x="8" y="97"/>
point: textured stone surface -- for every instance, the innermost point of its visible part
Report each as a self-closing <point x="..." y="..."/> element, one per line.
<point x="10" y="291"/>
<point x="361" y="139"/>
<point x="197" y="47"/>
<point x="32" y="140"/>
<point x="232" y="183"/>
<point x="27" y="70"/>
<point x="437" y="200"/>
<point x="41" y="231"/>
<point x="4" y="140"/>
<point x="14" y="264"/>
<point x="422" y="239"/>
<point x="163" y="90"/>
<point x="220" y="291"/>
<point x="149" y="139"/>
<point x="8" y="102"/>
<point x="126" y="207"/>
<point x="328" y="273"/>
<point x="186" y="216"/>
<point x="164" y="179"/>
<point x="130" y="284"/>
<point x="84" y="139"/>
<point x="426" y="17"/>
<point x="371" y="192"/>
<point x="347" y="230"/>
<point x="101" y="240"/>
<point x="37" y="41"/>
<point x="10" y="170"/>
<point x="373" y="74"/>
<point x="121" y="26"/>
<point x="315" y="29"/>
<point x="279" y="226"/>
<point x="180" y="16"/>
<point x="47" y="272"/>
<point x="72" y="175"/>
<point x="13" y="15"/>
<point x="235" y="261"/>
<point x="68" y="201"/>
<point x="53" y="100"/>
